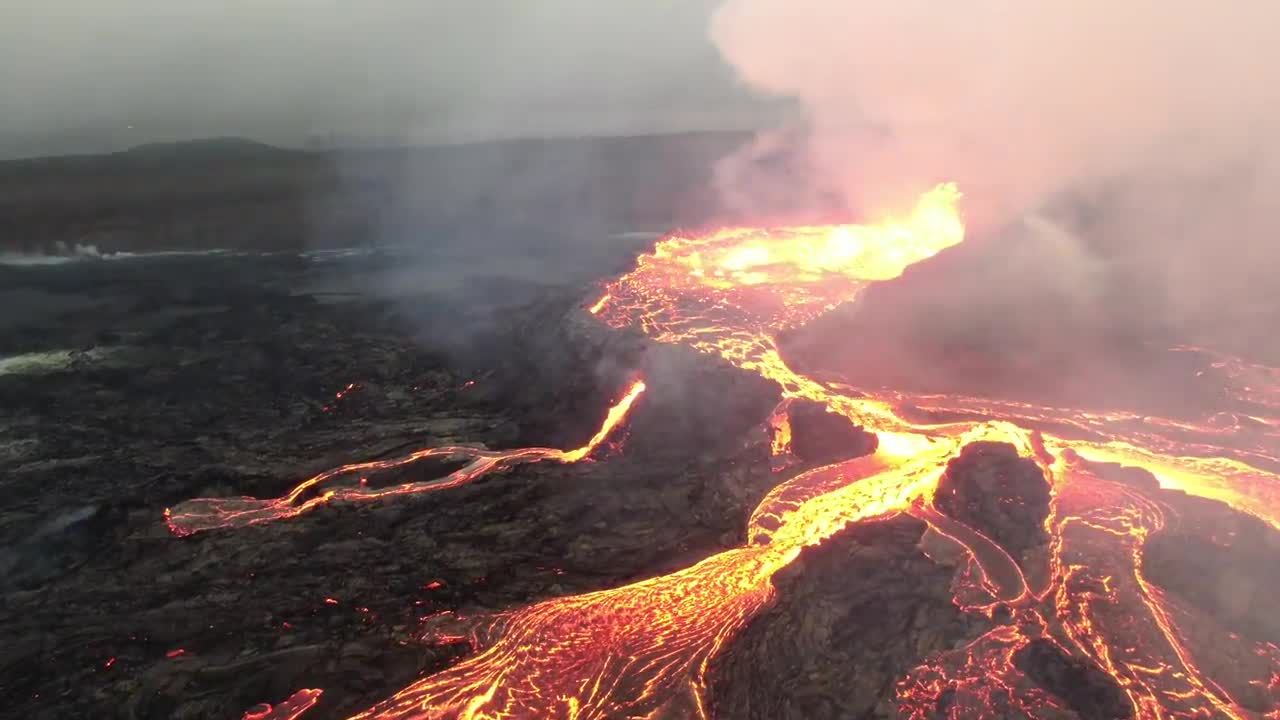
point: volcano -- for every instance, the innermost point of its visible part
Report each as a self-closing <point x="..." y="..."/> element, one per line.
<point x="891" y="551"/>
<point x="1056" y="608"/>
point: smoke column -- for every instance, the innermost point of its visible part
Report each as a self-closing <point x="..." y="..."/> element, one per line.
<point x="1015" y="102"/>
<point x="1161" y="113"/>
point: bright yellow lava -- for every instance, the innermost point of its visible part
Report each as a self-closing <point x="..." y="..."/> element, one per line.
<point x="737" y="257"/>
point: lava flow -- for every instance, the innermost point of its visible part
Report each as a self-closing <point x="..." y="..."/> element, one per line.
<point x="290" y="709"/>
<point x="201" y="514"/>
<point x="643" y="650"/>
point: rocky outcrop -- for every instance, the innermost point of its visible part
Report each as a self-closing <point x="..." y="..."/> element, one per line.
<point x="1088" y="691"/>
<point x="1218" y="559"/>
<point x="993" y="490"/>
<point x="819" y="436"/>
<point x="852" y="617"/>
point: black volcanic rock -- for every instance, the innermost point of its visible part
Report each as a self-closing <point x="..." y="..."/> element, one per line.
<point x="558" y="367"/>
<point x="1222" y="562"/>
<point x="199" y="377"/>
<point x="853" y="616"/>
<point x="1082" y="686"/>
<point x="993" y="490"/>
<point x="819" y="436"/>
<point x="1218" y="564"/>
<point x="1210" y="555"/>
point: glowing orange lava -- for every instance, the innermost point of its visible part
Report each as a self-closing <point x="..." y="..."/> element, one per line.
<point x="290" y="709"/>
<point x="643" y="650"/>
<point x="599" y="304"/>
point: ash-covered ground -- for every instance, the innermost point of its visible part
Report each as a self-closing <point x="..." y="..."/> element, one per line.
<point x="129" y="386"/>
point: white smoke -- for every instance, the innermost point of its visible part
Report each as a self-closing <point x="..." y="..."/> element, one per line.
<point x="1160" y="114"/>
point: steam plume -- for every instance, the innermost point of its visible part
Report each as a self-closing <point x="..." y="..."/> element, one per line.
<point x="1162" y="112"/>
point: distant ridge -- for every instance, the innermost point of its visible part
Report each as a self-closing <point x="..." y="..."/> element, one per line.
<point x="221" y="147"/>
<point x="240" y="148"/>
<point x="203" y="153"/>
<point x="239" y="194"/>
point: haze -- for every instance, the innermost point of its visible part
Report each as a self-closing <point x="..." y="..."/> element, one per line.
<point x="79" y="76"/>
<point x="1143" y="133"/>
<point x="1146" y="130"/>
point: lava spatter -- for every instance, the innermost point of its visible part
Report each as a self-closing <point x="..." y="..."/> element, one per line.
<point x="643" y="650"/>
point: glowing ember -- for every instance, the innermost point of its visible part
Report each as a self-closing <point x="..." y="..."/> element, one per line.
<point x="642" y="650"/>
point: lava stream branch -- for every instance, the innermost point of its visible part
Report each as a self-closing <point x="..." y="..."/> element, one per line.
<point x="203" y="514"/>
<point x="640" y="648"/>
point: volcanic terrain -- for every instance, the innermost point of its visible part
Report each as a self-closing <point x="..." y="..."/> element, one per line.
<point x="666" y="492"/>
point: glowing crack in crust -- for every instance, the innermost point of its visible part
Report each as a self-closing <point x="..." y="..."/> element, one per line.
<point x="642" y="651"/>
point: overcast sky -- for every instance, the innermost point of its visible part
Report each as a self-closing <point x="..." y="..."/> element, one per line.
<point x="80" y="75"/>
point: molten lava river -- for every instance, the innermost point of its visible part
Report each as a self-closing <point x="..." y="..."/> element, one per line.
<point x="643" y="650"/>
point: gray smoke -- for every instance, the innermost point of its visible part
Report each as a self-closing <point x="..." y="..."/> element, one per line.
<point x="78" y="75"/>
<point x="1145" y="128"/>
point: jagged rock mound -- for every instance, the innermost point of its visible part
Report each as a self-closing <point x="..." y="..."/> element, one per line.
<point x="1131" y="476"/>
<point x="853" y="616"/>
<point x="1220" y="561"/>
<point x="993" y="490"/>
<point x="818" y="436"/>
<point x="1091" y="693"/>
